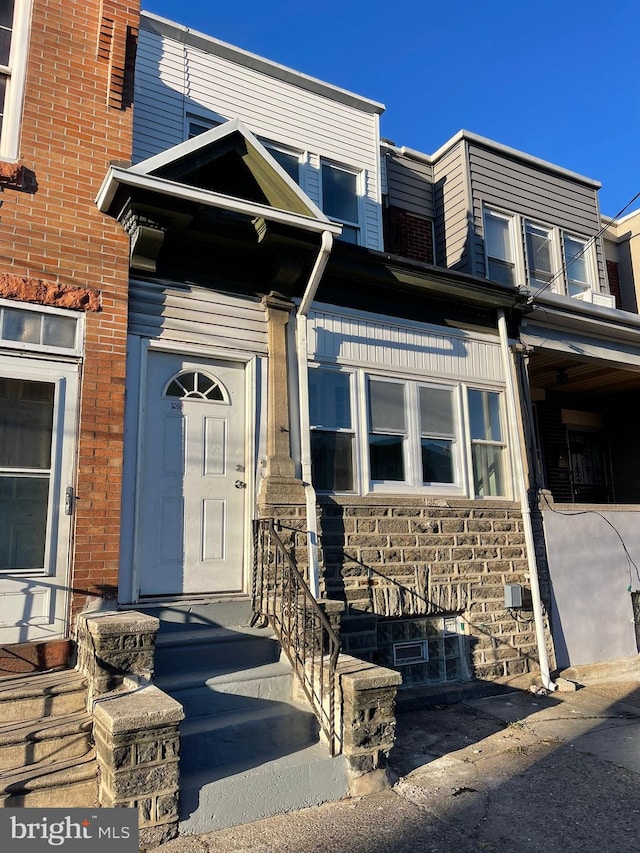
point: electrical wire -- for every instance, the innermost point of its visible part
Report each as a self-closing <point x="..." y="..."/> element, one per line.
<point x="630" y="560"/>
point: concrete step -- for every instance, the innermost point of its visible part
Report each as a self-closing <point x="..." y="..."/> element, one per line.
<point x="33" y="696"/>
<point x="44" y="741"/>
<point x="212" y="691"/>
<point x="220" y="649"/>
<point x="255" y="733"/>
<point x="235" y="794"/>
<point x="215" y="614"/>
<point x="70" y="783"/>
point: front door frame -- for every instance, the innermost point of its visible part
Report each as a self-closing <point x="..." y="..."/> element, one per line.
<point x="249" y="360"/>
<point x="53" y="581"/>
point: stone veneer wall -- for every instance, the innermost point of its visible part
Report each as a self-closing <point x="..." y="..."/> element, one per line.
<point x="402" y="557"/>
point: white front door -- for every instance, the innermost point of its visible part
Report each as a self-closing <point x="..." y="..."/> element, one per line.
<point x="38" y="401"/>
<point x="191" y="509"/>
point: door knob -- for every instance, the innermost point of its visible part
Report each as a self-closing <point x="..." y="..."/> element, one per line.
<point x="240" y="484"/>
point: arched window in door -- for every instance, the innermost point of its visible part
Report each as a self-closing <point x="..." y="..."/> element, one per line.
<point x="196" y="384"/>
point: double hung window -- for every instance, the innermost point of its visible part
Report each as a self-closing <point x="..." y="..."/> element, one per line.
<point x="340" y="199"/>
<point x="576" y="259"/>
<point x="372" y="433"/>
<point x="498" y="236"/>
<point x="332" y="438"/>
<point x="550" y="257"/>
<point x="487" y="445"/>
<point x="539" y="255"/>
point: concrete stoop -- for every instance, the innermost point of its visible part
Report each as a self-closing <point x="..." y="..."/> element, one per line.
<point x="248" y="750"/>
<point x="46" y="756"/>
<point x="603" y="669"/>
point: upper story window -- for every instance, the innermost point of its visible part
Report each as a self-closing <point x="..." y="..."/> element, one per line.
<point x="372" y="433"/>
<point x="499" y="247"/>
<point x="544" y="257"/>
<point x="539" y="255"/>
<point x="340" y="199"/>
<point x="14" y="33"/>
<point x="577" y="265"/>
<point x="289" y="160"/>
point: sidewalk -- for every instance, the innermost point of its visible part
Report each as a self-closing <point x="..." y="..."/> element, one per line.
<point x="515" y="773"/>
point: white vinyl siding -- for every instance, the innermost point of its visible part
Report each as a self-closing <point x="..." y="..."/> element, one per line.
<point x="173" y="79"/>
<point x="196" y="315"/>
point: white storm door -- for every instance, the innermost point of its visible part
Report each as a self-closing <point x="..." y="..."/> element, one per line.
<point x="38" y="402"/>
<point x="191" y="513"/>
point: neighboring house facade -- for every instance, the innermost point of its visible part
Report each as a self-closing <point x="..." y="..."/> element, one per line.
<point x="63" y="307"/>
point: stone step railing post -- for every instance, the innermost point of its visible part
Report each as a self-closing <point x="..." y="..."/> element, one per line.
<point x="138" y="746"/>
<point x="368" y="721"/>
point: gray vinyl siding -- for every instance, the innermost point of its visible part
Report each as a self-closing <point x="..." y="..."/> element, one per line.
<point x="451" y="205"/>
<point x="410" y="185"/>
<point x="175" y="79"/>
<point x="518" y="187"/>
<point x="195" y="315"/>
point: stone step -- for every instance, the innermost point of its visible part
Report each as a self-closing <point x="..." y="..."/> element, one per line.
<point x="236" y="794"/>
<point x="70" y="783"/>
<point x="44" y="741"/>
<point x="33" y="696"/>
<point x="212" y="691"/>
<point x="220" y="649"/>
<point x="255" y="733"/>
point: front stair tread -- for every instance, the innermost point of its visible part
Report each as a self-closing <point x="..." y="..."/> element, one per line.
<point x="234" y="794"/>
<point x="58" y="774"/>
<point x="217" y="678"/>
<point x="15" y="687"/>
<point x="206" y="634"/>
<point x="44" y="727"/>
<point x="253" y="716"/>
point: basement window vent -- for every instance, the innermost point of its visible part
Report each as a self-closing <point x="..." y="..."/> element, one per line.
<point x="426" y="651"/>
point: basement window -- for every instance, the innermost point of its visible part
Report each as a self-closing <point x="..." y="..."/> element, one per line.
<point x="425" y="651"/>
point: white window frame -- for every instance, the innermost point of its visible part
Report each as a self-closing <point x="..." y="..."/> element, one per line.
<point x="503" y="444"/>
<point x="353" y="430"/>
<point x="559" y="282"/>
<point x="44" y="310"/>
<point x="15" y="74"/>
<point x="512" y="225"/>
<point x="292" y="152"/>
<point x="359" y="176"/>
<point x="208" y="122"/>
<point x="585" y="253"/>
<point x="463" y="485"/>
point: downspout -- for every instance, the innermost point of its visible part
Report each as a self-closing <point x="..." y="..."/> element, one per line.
<point x="303" y="395"/>
<point x="521" y="485"/>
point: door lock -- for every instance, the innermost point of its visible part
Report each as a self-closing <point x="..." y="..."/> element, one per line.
<point x="69" y="500"/>
<point x="240" y="484"/>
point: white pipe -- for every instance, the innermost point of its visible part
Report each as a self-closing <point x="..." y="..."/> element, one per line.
<point x="303" y="404"/>
<point x="521" y="484"/>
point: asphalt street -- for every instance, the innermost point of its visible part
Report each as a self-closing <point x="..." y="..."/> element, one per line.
<point x="515" y="773"/>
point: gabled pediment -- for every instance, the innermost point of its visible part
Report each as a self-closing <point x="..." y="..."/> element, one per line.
<point x="230" y="161"/>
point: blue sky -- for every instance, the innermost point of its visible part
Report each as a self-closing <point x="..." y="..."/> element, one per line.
<point x="559" y="79"/>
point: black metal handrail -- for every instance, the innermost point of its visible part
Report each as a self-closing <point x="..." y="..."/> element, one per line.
<point x="281" y="596"/>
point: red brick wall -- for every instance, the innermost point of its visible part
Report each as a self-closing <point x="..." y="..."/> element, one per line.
<point x="77" y="118"/>
<point x="408" y="235"/>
